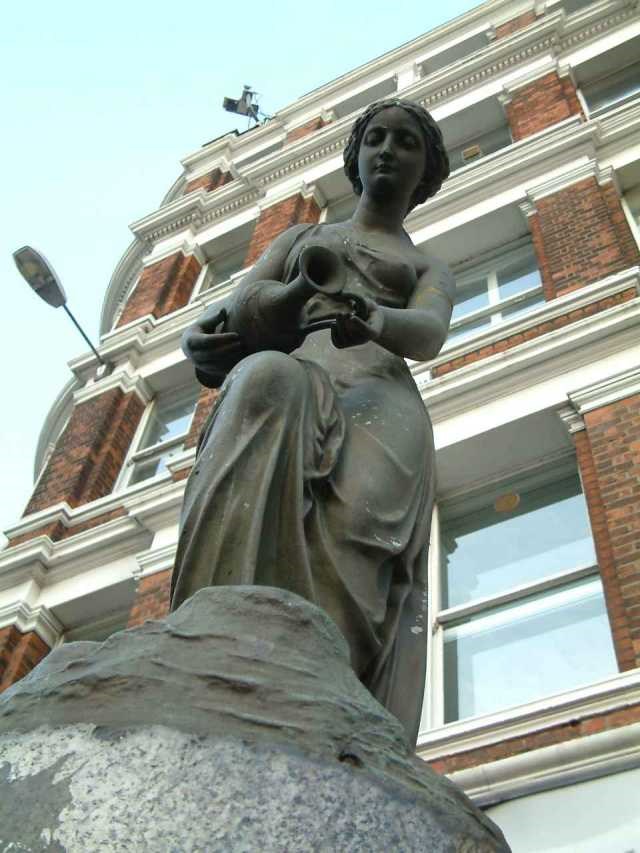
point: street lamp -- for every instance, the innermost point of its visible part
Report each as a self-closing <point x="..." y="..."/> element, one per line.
<point x="42" y="279"/>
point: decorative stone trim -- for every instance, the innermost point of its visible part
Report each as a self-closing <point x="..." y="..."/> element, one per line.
<point x="608" y="391"/>
<point x="154" y="561"/>
<point x="122" y="380"/>
<point x="39" y="619"/>
<point x="568" y="763"/>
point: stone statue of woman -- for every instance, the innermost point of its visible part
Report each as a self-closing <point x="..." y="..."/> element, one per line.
<point x="315" y="470"/>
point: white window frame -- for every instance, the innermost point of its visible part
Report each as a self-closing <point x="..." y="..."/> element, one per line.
<point x="439" y="618"/>
<point x="158" y="450"/>
<point x="489" y="268"/>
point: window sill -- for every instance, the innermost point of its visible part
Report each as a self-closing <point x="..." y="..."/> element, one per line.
<point x="619" y="691"/>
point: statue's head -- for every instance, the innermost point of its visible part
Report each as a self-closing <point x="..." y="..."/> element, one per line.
<point x="433" y="161"/>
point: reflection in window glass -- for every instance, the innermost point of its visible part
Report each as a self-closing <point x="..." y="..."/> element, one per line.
<point x="613" y="89"/>
<point x="519" y="652"/>
<point x="508" y="285"/>
<point x="470" y="296"/>
<point x="518" y="276"/>
<point x="168" y="422"/>
<point x="489" y="551"/>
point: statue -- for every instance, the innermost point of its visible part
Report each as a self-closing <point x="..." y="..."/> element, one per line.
<point x="315" y="469"/>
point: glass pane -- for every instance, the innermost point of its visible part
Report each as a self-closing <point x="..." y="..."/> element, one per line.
<point x="470" y="296"/>
<point x="171" y="416"/>
<point x="614" y="88"/>
<point x="468" y="329"/>
<point x="520" y="275"/>
<point x="530" y="536"/>
<point x="522" y="652"/>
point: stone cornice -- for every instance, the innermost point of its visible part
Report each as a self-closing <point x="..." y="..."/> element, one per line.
<point x="121" y="379"/>
<point x="194" y="211"/>
<point x="44" y="561"/>
<point x="27" y="618"/>
<point x="154" y="561"/>
<point x="567" y="763"/>
<point x="608" y="391"/>
<point x="551" y="35"/>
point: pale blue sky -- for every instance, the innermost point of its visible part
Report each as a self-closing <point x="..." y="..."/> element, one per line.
<point x="99" y="102"/>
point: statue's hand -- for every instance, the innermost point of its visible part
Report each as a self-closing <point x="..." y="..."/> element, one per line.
<point x="359" y="326"/>
<point x="212" y="350"/>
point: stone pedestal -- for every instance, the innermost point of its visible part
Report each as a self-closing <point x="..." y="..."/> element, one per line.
<point x="236" y="724"/>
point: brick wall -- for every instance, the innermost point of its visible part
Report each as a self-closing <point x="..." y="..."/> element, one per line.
<point x="515" y="24"/>
<point x="205" y="403"/>
<point x="545" y="102"/>
<point x="19" y="653"/>
<point x="163" y="287"/>
<point x="209" y="182"/>
<point x="581" y="235"/>
<point x="152" y="598"/>
<point x="535" y="331"/>
<point x="608" y="454"/>
<point x="90" y="451"/>
<point x="276" y="219"/>
<point x="305" y="129"/>
<point x="545" y="737"/>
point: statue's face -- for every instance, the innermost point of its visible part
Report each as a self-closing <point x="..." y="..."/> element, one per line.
<point x="392" y="154"/>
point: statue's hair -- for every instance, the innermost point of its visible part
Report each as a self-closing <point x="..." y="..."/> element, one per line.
<point x="436" y="166"/>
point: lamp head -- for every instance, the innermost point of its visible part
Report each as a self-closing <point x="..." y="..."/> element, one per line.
<point x="40" y="276"/>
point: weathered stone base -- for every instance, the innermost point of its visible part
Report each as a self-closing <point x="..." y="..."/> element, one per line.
<point x="236" y="724"/>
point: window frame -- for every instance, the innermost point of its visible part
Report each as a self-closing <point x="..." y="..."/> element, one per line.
<point x="489" y="267"/>
<point x="440" y="618"/>
<point x="138" y="454"/>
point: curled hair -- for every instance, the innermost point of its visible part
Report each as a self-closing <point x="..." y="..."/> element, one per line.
<point x="436" y="165"/>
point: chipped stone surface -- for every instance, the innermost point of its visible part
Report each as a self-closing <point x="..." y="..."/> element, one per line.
<point x="236" y="724"/>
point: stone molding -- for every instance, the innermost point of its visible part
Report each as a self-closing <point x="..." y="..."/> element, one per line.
<point x="26" y="618"/>
<point x="606" y="392"/>
<point x="154" y="561"/>
<point x="567" y="763"/>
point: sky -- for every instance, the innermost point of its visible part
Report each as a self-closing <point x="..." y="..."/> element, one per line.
<point x="99" y="102"/>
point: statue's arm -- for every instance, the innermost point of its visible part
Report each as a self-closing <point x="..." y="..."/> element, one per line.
<point x="208" y="343"/>
<point x="417" y="331"/>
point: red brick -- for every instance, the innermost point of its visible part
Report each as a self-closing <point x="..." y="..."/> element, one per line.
<point x="152" y="598"/>
<point x="515" y="24"/>
<point x="209" y="182"/>
<point x="608" y="466"/>
<point x="19" y="653"/>
<point x="537" y="740"/>
<point x="90" y="451"/>
<point x="276" y="219"/>
<point x="162" y="288"/>
<point x="305" y="129"/>
<point x="541" y="104"/>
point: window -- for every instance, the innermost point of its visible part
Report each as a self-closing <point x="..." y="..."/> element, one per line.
<point x="495" y="290"/>
<point x="225" y="266"/>
<point x="521" y="611"/>
<point x="164" y="431"/>
<point x="615" y="88"/>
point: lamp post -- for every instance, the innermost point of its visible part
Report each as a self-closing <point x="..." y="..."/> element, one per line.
<point x="42" y="279"/>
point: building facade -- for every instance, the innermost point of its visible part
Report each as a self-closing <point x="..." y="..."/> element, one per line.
<point x="533" y="684"/>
